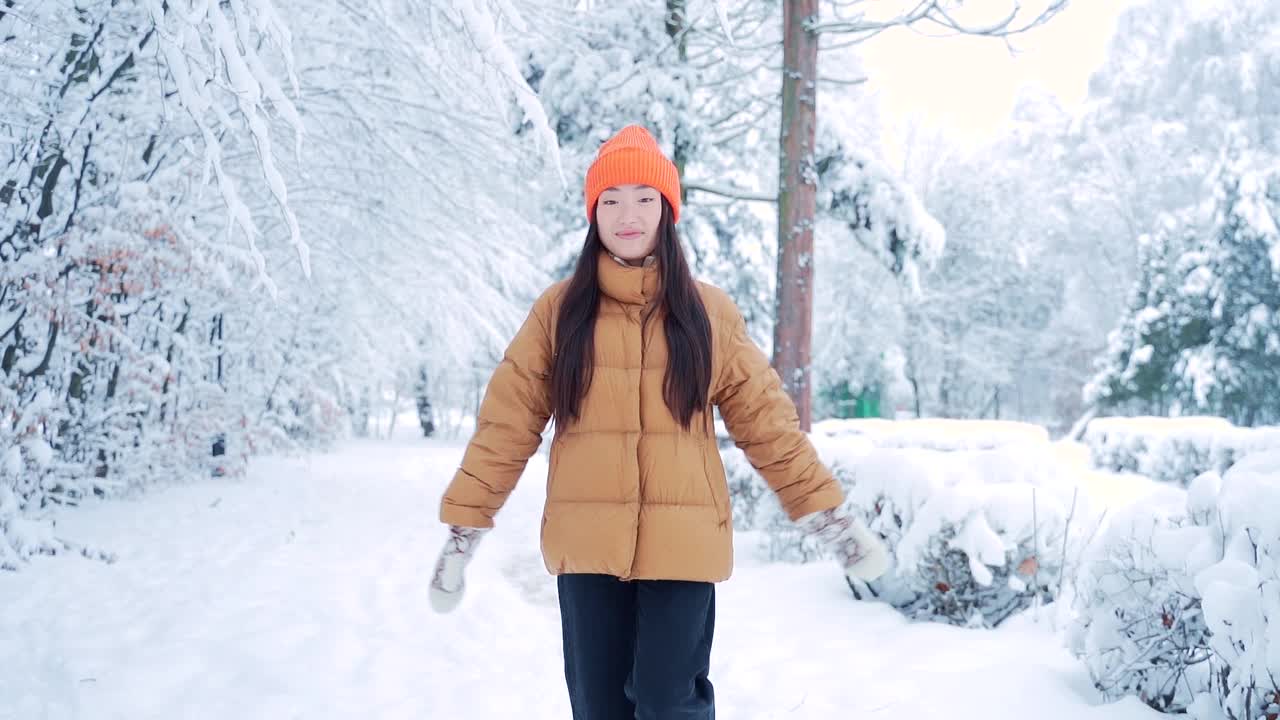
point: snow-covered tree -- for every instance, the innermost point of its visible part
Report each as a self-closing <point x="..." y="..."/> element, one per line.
<point x="1183" y="83"/>
<point x="1236" y="374"/>
<point x="428" y="239"/>
<point x="669" y="67"/>
<point x="873" y="235"/>
<point x="1201" y="335"/>
<point x="108" y="286"/>
<point x="799" y="153"/>
<point x="179" y="289"/>
<point x="1137" y="370"/>
<point x="973" y="333"/>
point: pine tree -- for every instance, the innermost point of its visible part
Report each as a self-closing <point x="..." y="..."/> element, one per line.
<point x="1235" y="373"/>
<point x="1136" y="371"/>
<point x="1201" y="334"/>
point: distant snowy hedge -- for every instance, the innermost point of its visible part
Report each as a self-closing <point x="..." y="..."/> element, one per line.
<point x="976" y="535"/>
<point x="934" y="433"/>
<point x="1179" y="601"/>
<point x="1173" y="450"/>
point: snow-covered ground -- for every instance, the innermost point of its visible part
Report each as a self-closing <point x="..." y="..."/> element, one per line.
<point x="300" y="592"/>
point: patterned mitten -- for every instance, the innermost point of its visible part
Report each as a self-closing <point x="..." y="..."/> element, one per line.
<point x="447" y="582"/>
<point x="861" y="554"/>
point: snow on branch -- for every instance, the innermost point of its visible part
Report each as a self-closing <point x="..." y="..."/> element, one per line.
<point x="207" y="51"/>
<point x="483" y="29"/>
<point x="882" y="211"/>
<point x="730" y="192"/>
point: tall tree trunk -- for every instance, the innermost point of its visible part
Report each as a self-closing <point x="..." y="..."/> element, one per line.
<point x="915" y="396"/>
<point x="215" y="339"/>
<point x="797" y="201"/>
<point x="395" y="412"/>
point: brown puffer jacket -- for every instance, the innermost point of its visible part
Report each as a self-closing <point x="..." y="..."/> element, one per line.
<point x="629" y="492"/>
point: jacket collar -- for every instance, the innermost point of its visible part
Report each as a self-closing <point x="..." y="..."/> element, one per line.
<point x="625" y="283"/>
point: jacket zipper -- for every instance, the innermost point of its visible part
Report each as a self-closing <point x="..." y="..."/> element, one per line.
<point x="637" y="316"/>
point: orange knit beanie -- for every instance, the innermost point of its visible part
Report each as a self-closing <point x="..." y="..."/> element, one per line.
<point x="632" y="157"/>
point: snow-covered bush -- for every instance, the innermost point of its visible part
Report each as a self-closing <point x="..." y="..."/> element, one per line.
<point x="975" y="535"/>
<point x="1241" y="593"/>
<point x="1178" y="603"/>
<point x="1173" y="449"/>
<point x="1139" y="624"/>
<point x="1253" y="443"/>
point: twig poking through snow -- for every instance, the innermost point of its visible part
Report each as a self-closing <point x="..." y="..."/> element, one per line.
<point x="1066" y="533"/>
<point x="1035" y="549"/>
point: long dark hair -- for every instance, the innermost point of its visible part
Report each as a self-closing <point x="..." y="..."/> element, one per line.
<point x="687" y="328"/>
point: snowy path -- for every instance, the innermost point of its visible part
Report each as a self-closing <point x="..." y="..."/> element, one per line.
<point x="301" y="593"/>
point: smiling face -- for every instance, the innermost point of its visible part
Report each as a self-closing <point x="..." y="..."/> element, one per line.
<point x="628" y="217"/>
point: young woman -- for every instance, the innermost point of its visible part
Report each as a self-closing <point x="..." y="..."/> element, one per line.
<point x="629" y="355"/>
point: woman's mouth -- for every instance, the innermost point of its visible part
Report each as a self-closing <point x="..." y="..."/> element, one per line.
<point x="630" y="234"/>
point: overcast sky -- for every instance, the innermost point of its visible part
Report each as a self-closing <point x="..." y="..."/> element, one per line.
<point x="969" y="84"/>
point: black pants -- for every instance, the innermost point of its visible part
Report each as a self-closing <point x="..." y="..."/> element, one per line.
<point x="637" y="650"/>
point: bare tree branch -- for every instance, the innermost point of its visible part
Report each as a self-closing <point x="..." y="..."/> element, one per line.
<point x="731" y="192"/>
<point x="932" y="11"/>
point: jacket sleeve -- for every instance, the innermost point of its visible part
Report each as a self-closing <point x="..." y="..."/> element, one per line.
<point x="509" y="425"/>
<point x="764" y="424"/>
